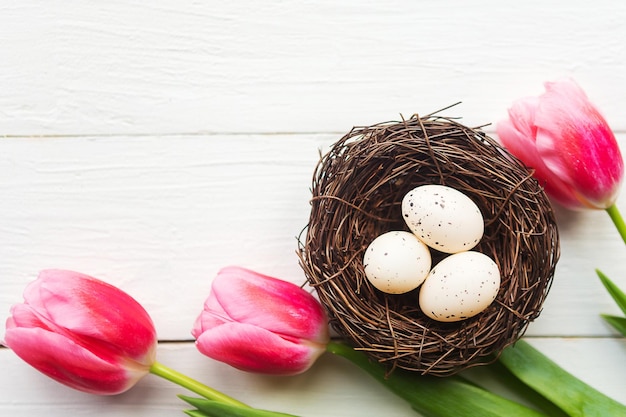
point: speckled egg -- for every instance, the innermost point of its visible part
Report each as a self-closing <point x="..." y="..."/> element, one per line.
<point x="396" y="262"/>
<point x="460" y="286"/>
<point x="442" y="217"/>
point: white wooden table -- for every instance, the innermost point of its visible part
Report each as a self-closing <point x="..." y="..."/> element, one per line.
<point x="152" y="144"/>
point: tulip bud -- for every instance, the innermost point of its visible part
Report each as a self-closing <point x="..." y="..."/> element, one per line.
<point x="568" y="143"/>
<point x="82" y="332"/>
<point x="257" y="323"/>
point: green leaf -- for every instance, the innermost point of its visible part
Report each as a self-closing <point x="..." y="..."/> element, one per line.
<point x="617" y="294"/>
<point x="211" y="408"/>
<point x="496" y="374"/>
<point x="619" y="323"/>
<point x="198" y="413"/>
<point x="436" y="396"/>
<point x="566" y="391"/>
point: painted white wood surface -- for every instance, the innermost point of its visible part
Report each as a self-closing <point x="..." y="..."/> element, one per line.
<point x="333" y="387"/>
<point x="160" y="215"/>
<point x="167" y="66"/>
<point x="151" y="144"/>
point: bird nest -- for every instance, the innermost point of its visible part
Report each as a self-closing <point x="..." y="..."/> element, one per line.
<point x="357" y="192"/>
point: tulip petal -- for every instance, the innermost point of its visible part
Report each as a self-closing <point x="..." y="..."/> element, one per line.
<point x="253" y="349"/>
<point x="517" y="134"/>
<point x="90" y="308"/>
<point x="275" y="305"/>
<point x="82" y="332"/>
<point x="23" y="315"/>
<point x="569" y="144"/>
<point x="576" y="143"/>
<point x="212" y="316"/>
<point x="71" y="364"/>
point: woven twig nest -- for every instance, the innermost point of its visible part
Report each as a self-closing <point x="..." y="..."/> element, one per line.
<point x="357" y="192"/>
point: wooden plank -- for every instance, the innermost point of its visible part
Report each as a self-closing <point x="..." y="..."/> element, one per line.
<point x="184" y="66"/>
<point x="159" y="216"/>
<point x="152" y="144"/>
<point x="156" y="216"/>
<point x="332" y="387"/>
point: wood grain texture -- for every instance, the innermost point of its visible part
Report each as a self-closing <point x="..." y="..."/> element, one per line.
<point x="333" y="387"/>
<point x="314" y="66"/>
<point x="150" y="144"/>
<point x="159" y="216"/>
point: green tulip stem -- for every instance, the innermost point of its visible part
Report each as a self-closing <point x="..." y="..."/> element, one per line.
<point x="193" y="385"/>
<point x="618" y="221"/>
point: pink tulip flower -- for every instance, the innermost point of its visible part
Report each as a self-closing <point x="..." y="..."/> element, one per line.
<point x="566" y="140"/>
<point x="257" y="323"/>
<point x="82" y="332"/>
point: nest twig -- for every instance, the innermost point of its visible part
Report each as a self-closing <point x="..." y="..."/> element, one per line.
<point x="357" y="191"/>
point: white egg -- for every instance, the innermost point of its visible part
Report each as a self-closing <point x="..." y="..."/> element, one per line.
<point x="444" y="218"/>
<point x="460" y="286"/>
<point x="396" y="262"/>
